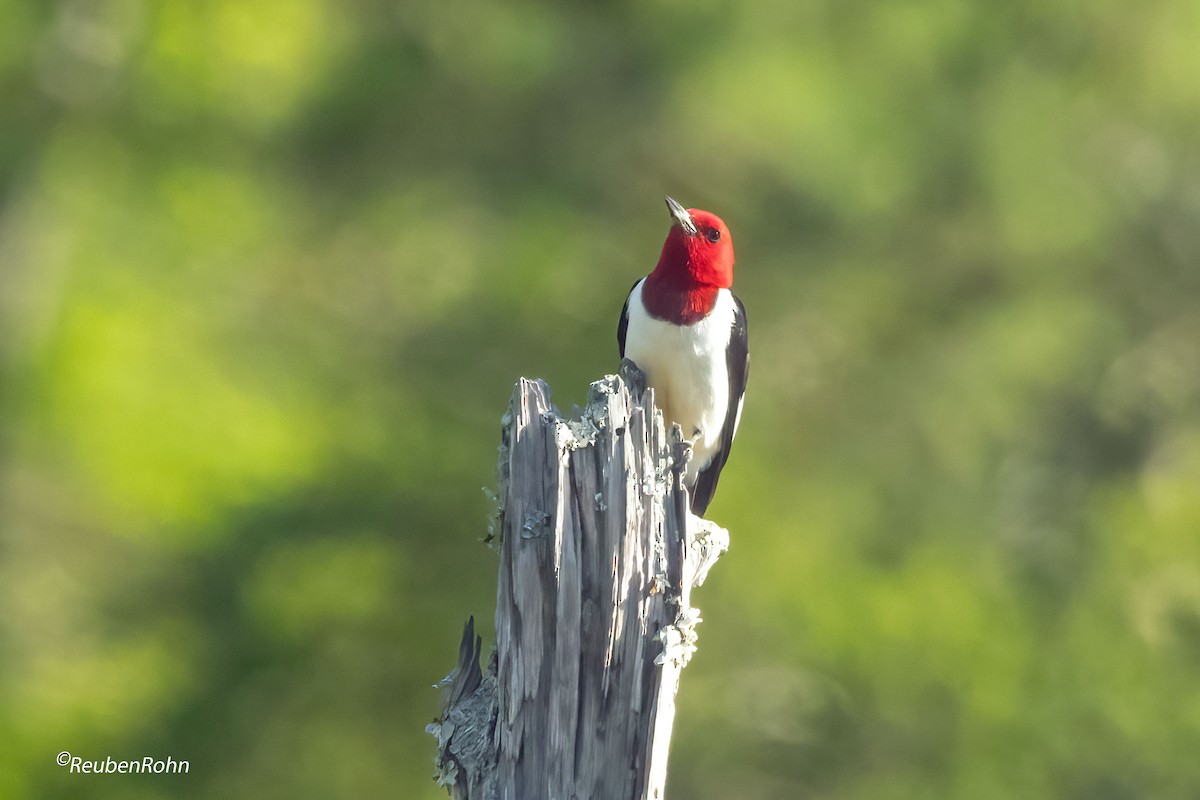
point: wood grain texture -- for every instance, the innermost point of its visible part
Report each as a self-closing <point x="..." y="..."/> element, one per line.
<point x="593" y="614"/>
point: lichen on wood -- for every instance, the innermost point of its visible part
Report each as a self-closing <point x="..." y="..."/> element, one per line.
<point x="598" y="555"/>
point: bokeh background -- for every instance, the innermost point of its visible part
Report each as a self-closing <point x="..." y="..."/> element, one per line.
<point x="268" y="271"/>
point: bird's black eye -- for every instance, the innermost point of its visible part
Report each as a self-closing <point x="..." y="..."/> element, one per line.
<point x="713" y="235"/>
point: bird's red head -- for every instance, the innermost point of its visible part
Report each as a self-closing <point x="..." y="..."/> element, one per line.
<point x="696" y="262"/>
<point x="698" y="251"/>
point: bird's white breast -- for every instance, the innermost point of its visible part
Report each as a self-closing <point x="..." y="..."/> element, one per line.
<point x="686" y="365"/>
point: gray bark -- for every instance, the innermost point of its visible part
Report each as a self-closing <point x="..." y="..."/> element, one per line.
<point x="598" y="555"/>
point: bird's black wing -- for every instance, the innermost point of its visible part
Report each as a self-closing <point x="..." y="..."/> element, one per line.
<point x="623" y="325"/>
<point x="737" y="359"/>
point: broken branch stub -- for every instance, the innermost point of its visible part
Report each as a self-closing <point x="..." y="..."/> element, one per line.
<point x="598" y="555"/>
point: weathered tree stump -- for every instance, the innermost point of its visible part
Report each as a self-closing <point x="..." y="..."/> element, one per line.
<point x="598" y="555"/>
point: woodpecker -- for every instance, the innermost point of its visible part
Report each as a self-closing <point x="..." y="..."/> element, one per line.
<point x="687" y="332"/>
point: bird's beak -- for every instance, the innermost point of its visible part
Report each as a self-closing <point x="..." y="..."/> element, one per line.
<point x="682" y="216"/>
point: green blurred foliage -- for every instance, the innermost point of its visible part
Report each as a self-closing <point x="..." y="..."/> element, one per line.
<point x="268" y="271"/>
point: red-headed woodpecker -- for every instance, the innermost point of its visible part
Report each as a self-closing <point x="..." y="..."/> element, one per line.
<point x="687" y="332"/>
